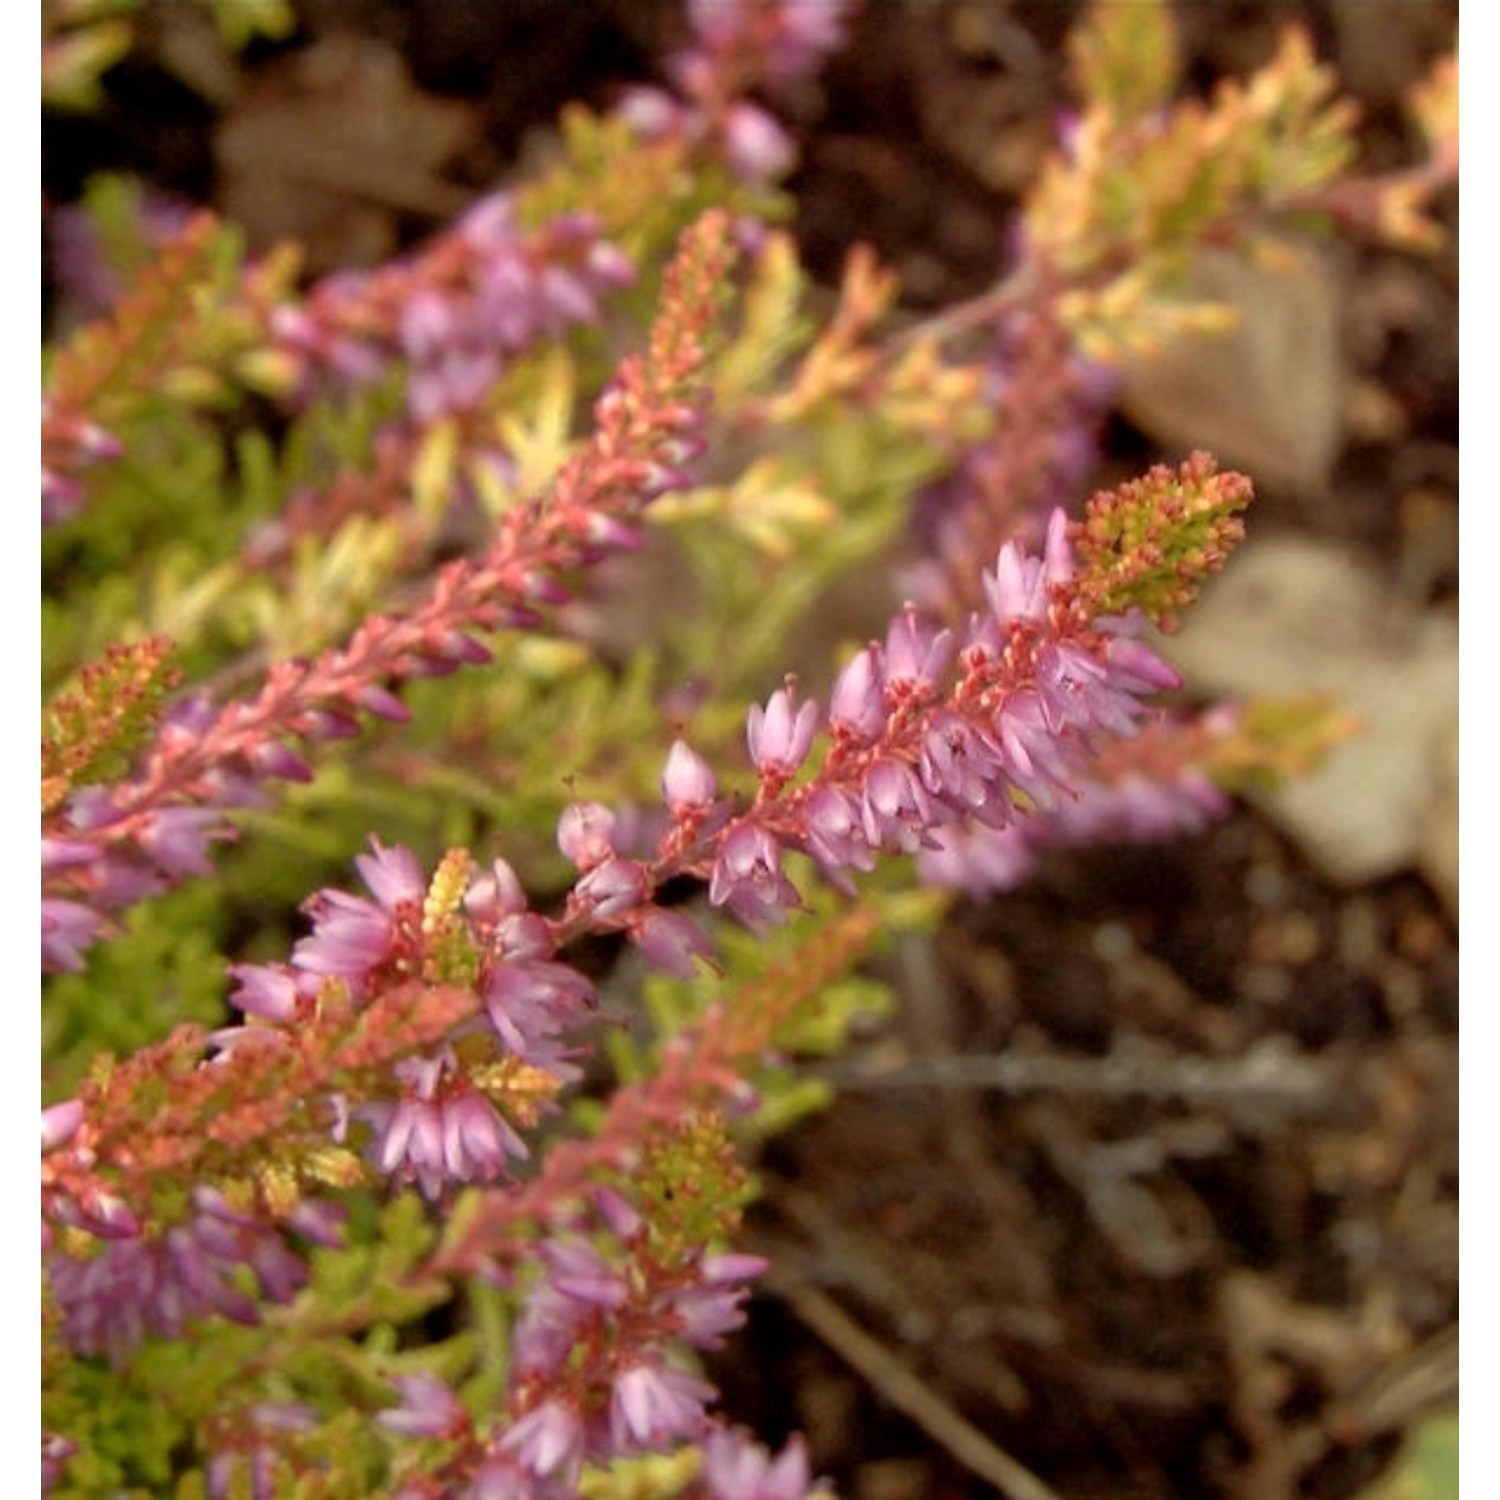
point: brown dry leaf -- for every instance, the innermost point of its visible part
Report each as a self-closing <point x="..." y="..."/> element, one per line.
<point x="1266" y="397"/>
<point x="329" y="146"/>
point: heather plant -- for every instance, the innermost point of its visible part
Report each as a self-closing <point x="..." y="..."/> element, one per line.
<point x="488" y="572"/>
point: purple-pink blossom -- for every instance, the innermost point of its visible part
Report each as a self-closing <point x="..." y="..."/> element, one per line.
<point x="456" y="314"/>
<point x="736" y="1467"/>
<point x="780" y="734"/>
<point x="441" y="1132"/>
<point x="547" y="1442"/>
<point x="352" y="936"/>
<point x="428" y="1408"/>
<point x="136" y="1287"/>
<point x="653" y="1406"/>
<point x="687" y="782"/>
<point x="858" y="706"/>
<point x="748" y="878"/>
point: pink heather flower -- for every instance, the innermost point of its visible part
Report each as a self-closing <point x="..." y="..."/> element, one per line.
<point x="426" y="323"/>
<point x="730" y="1266"/>
<point x="747" y="877"/>
<point x="495" y="894"/>
<point x="584" y="834"/>
<point x="792" y="36"/>
<point x="101" y="1213"/>
<point x="319" y="1222"/>
<point x="270" y="758"/>
<point x="1020" y="587"/>
<point x="611" y="889"/>
<point x="1136" y="668"/>
<point x="834" y="832"/>
<point x="687" y="783"/>
<point x="547" y="1331"/>
<point x="1080" y="690"/>
<point x="616" y="1211"/>
<point x="896" y="811"/>
<point x="577" y="1286"/>
<point x="442" y="1132"/>
<point x="608" y="265"/>
<point x="350" y="935"/>
<point x="490" y="224"/>
<point x="134" y="1288"/>
<point x="735" y="1467"/>
<point x="1036" y="758"/>
<point x="383" y="703"/>
<point x="652" y="1406"/>
<point x="428" y="1409"/>
<point x="273" y="994"/>
<point x="653" y="114"/>
<point x="56" y="1451"/>
<point x="531" y="1004"/>
<point x="60" y="1123"/>
<point x="670" y="942"/>
<point x="755" y="146"/>
<point x="857" y="705"/>
<point x="563" y="299"/>
<point x="453" y="380"/>
<point x="577" y="1270"/>
<point x="547" y="1441"/>
<point x="713" y="1307"/>
<point x="914" y="652"/>
<point x="69" y="928"/>
<point x="63" y="854"/>
<point x="781" y="734"/>
<point x="978" y="860"/>
<point x="963" y="765"/>
<point x="522" y="937"/>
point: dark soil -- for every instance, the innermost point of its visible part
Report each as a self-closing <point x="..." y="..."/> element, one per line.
<point x="1194" y="1232"/>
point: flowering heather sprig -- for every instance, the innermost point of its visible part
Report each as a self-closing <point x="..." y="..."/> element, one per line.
<point x="458" y="313"/>
<point x="112" y="367"/>
<point x="740" y="47"/>
<point x="257" y="1128"/>
<point x="147" y="833"/>
<point x="928" y="728"/>
<point x="596" y="1368"/>
<point x="138" y="1287"/>
<point x="420" y="1024"/>
<point x="1144" y="546"/>
<point x="932" y="727"/>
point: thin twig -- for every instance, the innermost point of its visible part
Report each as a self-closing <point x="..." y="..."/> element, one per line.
<point x="898" y="1385"/>
<point x="1268" y="1073"/>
